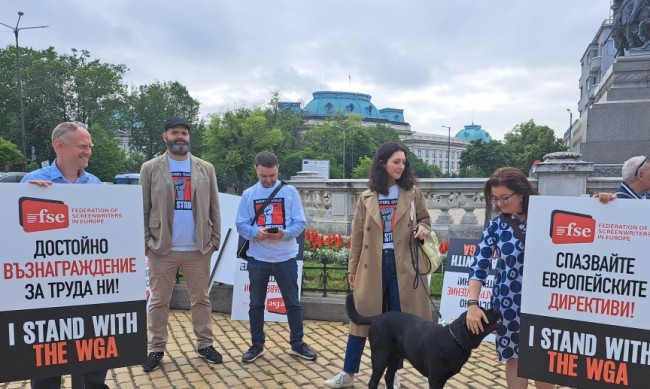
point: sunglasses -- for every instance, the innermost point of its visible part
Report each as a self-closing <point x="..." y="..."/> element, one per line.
<point x="636" y="172"/>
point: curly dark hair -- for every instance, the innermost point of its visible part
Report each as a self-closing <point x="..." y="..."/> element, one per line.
<point x="378" y="180"/>
<point x="512" y="178"/>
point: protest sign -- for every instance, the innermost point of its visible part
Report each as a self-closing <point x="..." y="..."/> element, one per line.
<point x="72" y="278"/>
<point x="584" y="292"/>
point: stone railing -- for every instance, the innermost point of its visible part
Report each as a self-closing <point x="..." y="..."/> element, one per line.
<point x="330" y="204"/>
<point x="456" y="205"/>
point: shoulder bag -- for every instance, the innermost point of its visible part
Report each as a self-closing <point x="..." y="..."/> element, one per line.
<point x="515" y="228"/>
<point x="428" y="252"/>
<point x="243" y="243"/>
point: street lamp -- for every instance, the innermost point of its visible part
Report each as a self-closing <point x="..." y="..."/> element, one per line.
<point x="448" y="149"/>
<point x="16" y="30"/>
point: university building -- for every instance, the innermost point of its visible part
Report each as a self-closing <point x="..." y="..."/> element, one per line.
<point x="431" y="148"/>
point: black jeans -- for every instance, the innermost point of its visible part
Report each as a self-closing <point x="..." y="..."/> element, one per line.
<point x="92" y="380"/>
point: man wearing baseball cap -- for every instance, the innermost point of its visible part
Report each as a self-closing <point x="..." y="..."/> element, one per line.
<point x="182" y="228"/>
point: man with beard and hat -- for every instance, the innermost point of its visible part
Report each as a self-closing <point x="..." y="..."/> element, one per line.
<point x="182" y="228"/>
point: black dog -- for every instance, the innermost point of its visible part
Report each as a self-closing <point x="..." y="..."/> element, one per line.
<point x="436" y="351"/>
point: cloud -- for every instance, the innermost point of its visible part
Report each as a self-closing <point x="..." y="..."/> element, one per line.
<point x="495" y="63"/>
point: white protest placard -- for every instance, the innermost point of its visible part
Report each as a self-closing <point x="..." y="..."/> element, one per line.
<point x="455" y="286"/>
<point x="274" y="308"/>
<point x="72" y="278"/>
<point x="585" y="321"/>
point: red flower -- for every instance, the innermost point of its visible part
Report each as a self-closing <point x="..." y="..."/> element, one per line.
<point x="314" y="241"/>
<point x="444" y="246"/>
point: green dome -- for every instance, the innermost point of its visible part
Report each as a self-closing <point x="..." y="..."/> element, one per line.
<point x="330" y="103"/>
<point x="473" y="132"/>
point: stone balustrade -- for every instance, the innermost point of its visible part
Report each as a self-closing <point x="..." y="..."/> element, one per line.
<point x="456" y="205"/>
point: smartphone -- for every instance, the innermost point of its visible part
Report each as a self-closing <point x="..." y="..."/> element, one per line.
<point x="272" y="230"/>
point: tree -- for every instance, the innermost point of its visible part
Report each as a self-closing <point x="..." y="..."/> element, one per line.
<point x="362" y="170"/>
<point x="342" y="140"/>
<point x="232" y="141"/>
<point x="95" y="89"/>
<point x="480" y="159"/>
<point x="108" y="158"/>
<point x="149" y="106"/>
<point x="530" y="142"/>
<point x="9" y="154"/>
<point x="382" y="133"/>
<point x="133" y="162"/>
<point x="56" y="88"/>
<point x="421" y="168"/>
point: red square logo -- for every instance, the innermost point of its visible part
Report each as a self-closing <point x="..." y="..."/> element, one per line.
<point x="276" y="305"/>
<point x="42" y="215"/>
<point x="569" y="227"/>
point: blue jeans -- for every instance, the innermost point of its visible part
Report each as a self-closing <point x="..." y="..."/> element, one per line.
<point x="390" y="291"/>
<point x="286" y="276"/>
<point x="92" y="380"/>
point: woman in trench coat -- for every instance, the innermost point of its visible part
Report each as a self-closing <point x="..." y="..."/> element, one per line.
<point x="381" y="269"/>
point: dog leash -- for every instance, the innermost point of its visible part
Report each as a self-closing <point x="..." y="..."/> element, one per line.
<point x="442" y="321"/>
<point x="416" y="281"/>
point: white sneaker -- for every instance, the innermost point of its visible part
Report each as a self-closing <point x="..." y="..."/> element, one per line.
<point x="341" y="380"/>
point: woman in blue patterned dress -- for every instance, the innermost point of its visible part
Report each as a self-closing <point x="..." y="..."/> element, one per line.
<point x="507" y="192"/>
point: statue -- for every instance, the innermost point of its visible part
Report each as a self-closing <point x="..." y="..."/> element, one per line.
<point x="631" y="26"/>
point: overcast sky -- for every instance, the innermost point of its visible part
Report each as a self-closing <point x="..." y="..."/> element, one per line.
<point x="496" y="63"/>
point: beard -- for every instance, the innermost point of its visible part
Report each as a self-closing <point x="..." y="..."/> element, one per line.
<point x="178" y="148"/>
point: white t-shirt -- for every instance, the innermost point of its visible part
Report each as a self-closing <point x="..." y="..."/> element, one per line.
<point x="183" y="226"/>
<point x="387" y="210"/>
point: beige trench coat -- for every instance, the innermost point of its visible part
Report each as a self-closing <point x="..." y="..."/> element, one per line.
<point x="366" y="253"/>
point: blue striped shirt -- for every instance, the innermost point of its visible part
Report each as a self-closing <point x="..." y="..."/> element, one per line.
<point x="625" y="192"/>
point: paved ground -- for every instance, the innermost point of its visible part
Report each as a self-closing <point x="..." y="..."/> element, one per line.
<point x="182" y="368"/>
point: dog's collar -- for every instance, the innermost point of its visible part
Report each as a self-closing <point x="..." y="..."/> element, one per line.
<point x="455" y="339"/>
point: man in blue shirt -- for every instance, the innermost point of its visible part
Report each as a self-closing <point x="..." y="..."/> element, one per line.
<point x="73" y="146"/>
<point x="636" y="181"/>
<point x="272" y="252"/>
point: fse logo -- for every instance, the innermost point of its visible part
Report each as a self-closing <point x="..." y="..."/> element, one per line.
<point x="41" y="215"/>
<point x="569" y="227"/>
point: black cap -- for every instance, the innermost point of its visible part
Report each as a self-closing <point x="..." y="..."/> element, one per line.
<point x="173" y="122"/>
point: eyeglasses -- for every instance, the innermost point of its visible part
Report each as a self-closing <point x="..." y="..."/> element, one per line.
<point x="502" y="198"/>
<point x="636" y="172"/>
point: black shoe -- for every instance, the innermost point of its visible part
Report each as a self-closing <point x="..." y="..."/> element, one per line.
<point x="210" y="354"/>
<point x="152" y="362"/>
<point x="253" y="353"/>
<point x="303" y="351"/>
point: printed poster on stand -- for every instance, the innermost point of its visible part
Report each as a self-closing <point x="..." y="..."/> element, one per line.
<point x="72" y="278"/>
<point x="274" y="307"/>
<point x="585" y="317"/>
<point x="453" y="301"/>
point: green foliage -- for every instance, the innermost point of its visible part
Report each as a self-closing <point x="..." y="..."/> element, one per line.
<point x="421" y="168"/>
<point x="9" y="154"/>
<point x="232" y="141"/>
<point x="149" y="106"/>
<point x="362" y="170"/>
<point x="529" y="142"/>
<point x="480" y="159"/>
<point x="382" y="133"/>
<point x="108" y="158"/>
<point x="133" y="162"/>
<point x="56" y="88"/>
